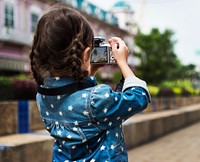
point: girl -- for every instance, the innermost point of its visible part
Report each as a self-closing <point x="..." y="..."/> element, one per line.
<point x="85" y="118"/>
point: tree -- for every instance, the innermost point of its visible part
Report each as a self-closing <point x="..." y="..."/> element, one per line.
<point x="188" y="72"/>
<point x="158" y="60"/>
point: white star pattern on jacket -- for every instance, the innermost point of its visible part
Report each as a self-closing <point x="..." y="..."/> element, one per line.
<point x="75" y="129"/>
<point x="77" y="123"/>
<point x="84" y="95"/>
<point x="59" y="97"/>
<point x="69" y="136"/>
<point x="59" y="132"/>
<point x="47" y="113"/>
<point x="60" y="113"/>
<point x="105" y="110"/>
<point x="85" y="113"/>
<point x="143" y="93"/>
<point x="130" y="109"/>
<point x="107" y="95"/>
<point x="112" y="147"/>
<point x="117" y="135"/>
<point x="103" y="147"/>
<point x="70" y="107"/>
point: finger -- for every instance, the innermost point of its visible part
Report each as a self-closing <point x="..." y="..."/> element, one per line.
<point x="113" y="44"/>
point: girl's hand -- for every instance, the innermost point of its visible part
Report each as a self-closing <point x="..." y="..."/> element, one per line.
<point x="119" y="49"/>
<point x="120" y="52"/>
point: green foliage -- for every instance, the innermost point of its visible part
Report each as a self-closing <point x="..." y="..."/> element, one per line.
<point x="158" y="60"/>
<point x="177" y="91"/>
<point x="178" y="83"/>
<point x="174" y="88"/>
<point x="153" y="90"/>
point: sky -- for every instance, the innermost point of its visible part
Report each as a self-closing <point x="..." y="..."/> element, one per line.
<point x="181" y="16"/>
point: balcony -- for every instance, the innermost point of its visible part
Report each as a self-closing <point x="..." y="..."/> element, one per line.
<point x="14" y="64"/>
<point x="15" y="36"/>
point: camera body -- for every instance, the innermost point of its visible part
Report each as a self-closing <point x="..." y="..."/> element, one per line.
<point x="102" y="52"/>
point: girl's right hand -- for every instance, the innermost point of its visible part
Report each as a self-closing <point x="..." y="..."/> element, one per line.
<point x="120" y="52"/>
<point x="119" y="49"/>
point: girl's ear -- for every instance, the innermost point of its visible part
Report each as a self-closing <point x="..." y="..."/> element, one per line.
<point x="86" y="55"/>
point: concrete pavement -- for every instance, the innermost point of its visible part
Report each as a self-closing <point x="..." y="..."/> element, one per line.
<point x="180" y="146"/>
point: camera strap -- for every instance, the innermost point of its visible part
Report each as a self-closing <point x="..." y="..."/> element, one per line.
<point x="63" y="90"/>
<point x="120" y="85"/>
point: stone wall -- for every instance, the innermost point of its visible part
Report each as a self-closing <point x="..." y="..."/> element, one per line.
<point x="144" y="128"/>
<point x="12" y="122"/>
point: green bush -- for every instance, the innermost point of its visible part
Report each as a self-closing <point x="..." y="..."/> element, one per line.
<point x="153" y="90"/>
<point x="177" y="91"/>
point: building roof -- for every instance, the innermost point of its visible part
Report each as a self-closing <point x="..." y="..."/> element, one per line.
<point x="122" y="5"/>
<point x="93" y="10"/>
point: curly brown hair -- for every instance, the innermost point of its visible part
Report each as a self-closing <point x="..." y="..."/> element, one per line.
<point x="60" y="39"/>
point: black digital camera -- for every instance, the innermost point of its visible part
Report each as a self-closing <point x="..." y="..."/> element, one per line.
<point x="102" y="52"/>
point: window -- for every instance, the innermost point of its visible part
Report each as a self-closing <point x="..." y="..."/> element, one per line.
<point x="9" y="15"/>
<point x="34" y="21"/>
<point x="35" y="13"/>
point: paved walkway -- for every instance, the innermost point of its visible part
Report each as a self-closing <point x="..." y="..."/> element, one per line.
<point x="180" y="146"/>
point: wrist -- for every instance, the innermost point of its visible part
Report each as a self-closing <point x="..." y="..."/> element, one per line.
<point x="121" y="63"/>
<point x="126" y="70"/>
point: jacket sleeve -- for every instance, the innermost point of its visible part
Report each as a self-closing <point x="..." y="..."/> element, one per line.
<point x="110" y="108"/>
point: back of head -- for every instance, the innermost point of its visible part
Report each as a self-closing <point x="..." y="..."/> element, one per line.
<point x="61" y="37"/>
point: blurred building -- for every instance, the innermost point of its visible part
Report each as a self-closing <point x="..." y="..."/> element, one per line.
<point x="124" y="13"/>
<point x="18" y="20"/>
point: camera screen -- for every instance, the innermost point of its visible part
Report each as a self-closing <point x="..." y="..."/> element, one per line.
<point x="100" y="55"/>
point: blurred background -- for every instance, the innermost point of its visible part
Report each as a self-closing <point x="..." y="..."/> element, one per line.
<point x="162" y="36"/>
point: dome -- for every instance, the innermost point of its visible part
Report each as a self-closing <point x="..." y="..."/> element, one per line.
<point x="122" y="4"/>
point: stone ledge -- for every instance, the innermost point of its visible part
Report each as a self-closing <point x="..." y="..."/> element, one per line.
<point x="26" y="147"/>
<point x="144" y="128"/>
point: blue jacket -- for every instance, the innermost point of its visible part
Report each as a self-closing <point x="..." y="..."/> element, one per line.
<point x="87" y="125"/>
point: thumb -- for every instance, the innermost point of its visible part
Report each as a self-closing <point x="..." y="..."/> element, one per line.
<point x="111" y="42"/>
